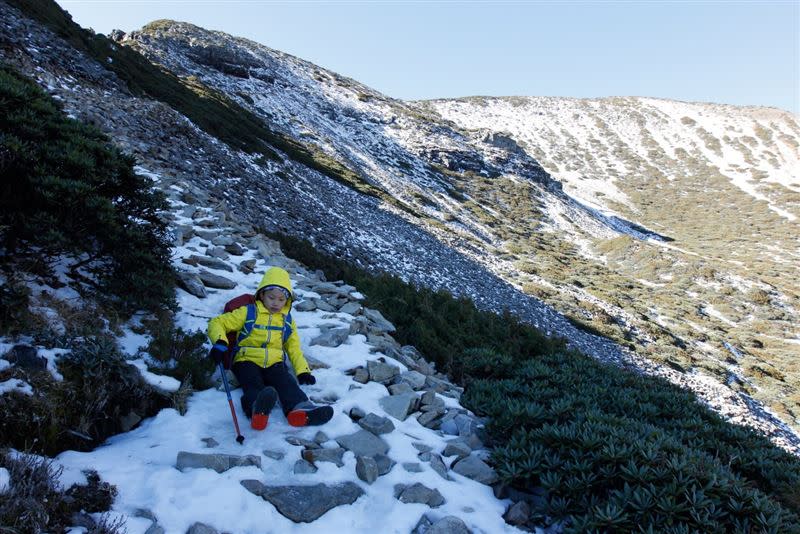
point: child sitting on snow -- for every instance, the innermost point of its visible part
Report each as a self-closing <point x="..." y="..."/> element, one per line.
<point x="258" y="361"/>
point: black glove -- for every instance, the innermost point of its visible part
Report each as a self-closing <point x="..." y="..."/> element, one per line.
<point x="307" y="379"/>
<point x="218" y="351"/>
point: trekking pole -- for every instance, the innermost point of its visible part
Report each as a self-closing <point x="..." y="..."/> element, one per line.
<point x="239" y="436"/>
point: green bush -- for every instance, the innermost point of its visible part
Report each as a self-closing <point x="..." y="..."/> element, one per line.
<point x="616" y="451"/>
<point x="179" y="354"/>
<point x="74" y="194"/>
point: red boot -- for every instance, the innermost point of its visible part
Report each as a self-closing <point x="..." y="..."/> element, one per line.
<point x="262" y="406"/>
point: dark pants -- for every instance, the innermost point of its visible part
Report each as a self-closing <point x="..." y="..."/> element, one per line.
<point x="253" y="378"/>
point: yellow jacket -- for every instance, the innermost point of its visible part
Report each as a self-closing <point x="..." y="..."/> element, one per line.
<point x="264" y="346"/>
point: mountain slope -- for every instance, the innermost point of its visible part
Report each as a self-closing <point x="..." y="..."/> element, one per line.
<point x="662" y="244"/>
<point x="473" y="212"/>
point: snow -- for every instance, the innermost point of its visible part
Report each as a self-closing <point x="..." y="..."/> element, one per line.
<point x="141" y="463"/>
<point x="162" y="382"/>
<point x="15" y="384"/>
<point x="5" y="479"/>
<point x="713" y="312"/>
<point x="596" y="132"/>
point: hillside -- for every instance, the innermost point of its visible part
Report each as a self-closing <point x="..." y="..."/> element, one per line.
<point x="664" y="247"/>
<point x="504" y="347"/>
<point x="438" y="210"/>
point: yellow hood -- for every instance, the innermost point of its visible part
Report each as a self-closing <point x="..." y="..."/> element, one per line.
<point x="275" y="276"/>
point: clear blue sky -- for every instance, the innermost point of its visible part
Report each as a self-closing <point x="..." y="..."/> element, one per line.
<point x="734" y="52"/>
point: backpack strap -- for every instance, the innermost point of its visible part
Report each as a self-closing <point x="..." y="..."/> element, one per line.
<point x="287" y="327"/>
<point x="249" y="323"/>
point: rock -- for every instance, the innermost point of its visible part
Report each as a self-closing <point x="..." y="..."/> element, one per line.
<point x="324" y="306"/>
<point x="429" y="419"/>
<point x="220" y="254"/>
<point x="415" y="379"/>
<point x="367" y="469"/>
<point x="26" y="357"/>
<point x="361" y="376"/>
<point x="304" y="504"/>
<point x="380" y="324"/>
<point x="247" y="266"/>
<point x="321" y="437"/>
<point x="146" y="514"/>
<point x="518" y="513"/>
<point x="476" y="469"/>
<point x="449" y="525"/>
<point x="422" y="525"/>
<point x="352" y="308"/>
<point x="206" y="261"/>
<point x="437" y="464"/>
<point x="382" y="372"/>
<point x="192" y="284"/>
<point x="218" y="462"/>
<point x="397" y="389"/>
<point x="357" y="413"/>
<point x="298" y="441"/>
<point x="376" y="424"/>
<point x="215" y="281"/>
<point x="201" y="528"/>
<point x="304" y="467"/>
<point x="324" y="455"/>
<point x="210" y="442"/>
<point x="418" y="493"/>
<point x="275" y="455"/>
<point x="398" y="406"/>
<point x="332" y="338"/>
<point x="412" y="467"/>
<point x="222" y="240"/>
<point x="363" y="443"/>
<point x="457" y="447"/>
<point x="234" y="249"/>
<point x="155" y="529"/>
<point x="385" y="463"/>
<point x="305" y="306"/>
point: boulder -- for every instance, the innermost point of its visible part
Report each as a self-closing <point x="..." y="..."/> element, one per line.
<point x="304" y="504"/>
<point x="192" y="284"/>
<point x="215" y="281"/>
<point x="363" y="443"/>
<point x="367" y="469"/>
<point x="398" y="406"/>
<point x="379" y="322"/>
<point x="382" y="372"/>
<point x="332" y="338"/>
<point x="218" y="462"/>
<point x="476" y="469"/>
<point x="418" y="493"/>
<point x="376" y="424"/>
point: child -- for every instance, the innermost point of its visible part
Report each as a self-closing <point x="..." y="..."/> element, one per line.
<point x="258" y="359"/>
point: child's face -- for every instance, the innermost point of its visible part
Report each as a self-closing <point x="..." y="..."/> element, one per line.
<point x="273" y="299"/>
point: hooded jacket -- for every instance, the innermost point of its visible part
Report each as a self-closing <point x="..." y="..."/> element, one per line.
<point x="264" y="346"/>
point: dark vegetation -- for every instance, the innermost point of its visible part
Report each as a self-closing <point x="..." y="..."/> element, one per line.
<point x="67" y="192"/>
<point x="99" y="389"/>
<point x="613" y="451"/>
<point x="35" y="501"/>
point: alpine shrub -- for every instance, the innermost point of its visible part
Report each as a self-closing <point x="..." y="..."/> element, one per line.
<point x="99" y="389"/>
<point x="35" y="501"/>
<point x="74" y="194"/>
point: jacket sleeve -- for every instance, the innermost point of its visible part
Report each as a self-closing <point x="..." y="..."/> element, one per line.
<point x="292" y="347"/>
<point x="233" y="321"/>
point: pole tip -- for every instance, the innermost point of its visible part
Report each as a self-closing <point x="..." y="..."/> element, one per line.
<point x="240" y="439"/>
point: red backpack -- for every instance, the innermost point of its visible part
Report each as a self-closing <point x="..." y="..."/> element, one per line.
<point x="235" y="337"/>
